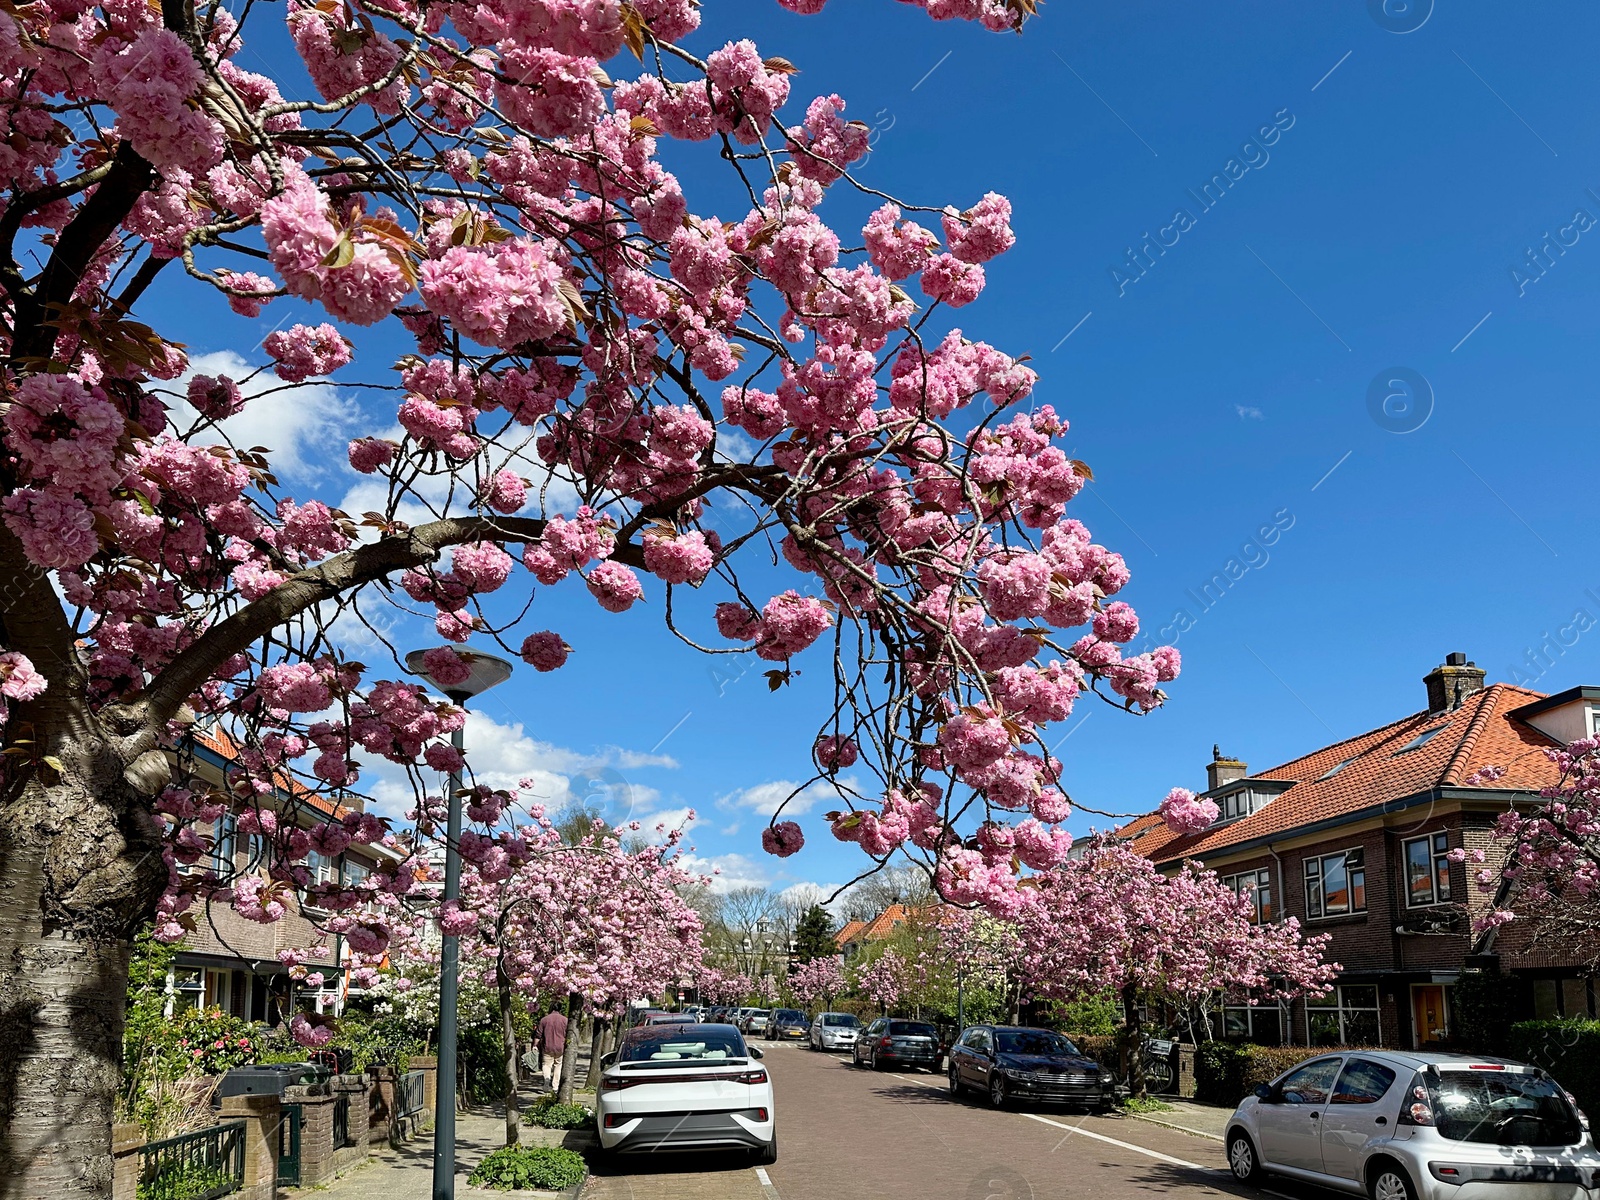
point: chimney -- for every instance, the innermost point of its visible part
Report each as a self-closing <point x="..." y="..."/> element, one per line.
<point x="1223" y="770"/>
<point x="1452" y="682"/>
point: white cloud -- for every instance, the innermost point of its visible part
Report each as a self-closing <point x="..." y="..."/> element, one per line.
<point x="1248" y="412"/>
<point x="765" y="799"/>
<point x="502" y="755"/>
<point x="671" y="818"/>
<point x="305" y="427"/>
<point x="728" y="871"/>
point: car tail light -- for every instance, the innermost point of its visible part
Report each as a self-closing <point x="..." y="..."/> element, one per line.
<point x="885" y="1042"/>
<point x="615" y="1119"/>
<point x="1486" y="1066"/>
<point x="615" y="1083"/>
<point x="1416" y="1114"/>
<point x="757" y="1076"/>
<point x="761" y="1114"/>
<point x="1448" y="1172"/>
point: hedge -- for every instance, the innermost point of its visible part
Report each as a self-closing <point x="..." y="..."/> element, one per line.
<point x="1227" y="1072"/>
<point x="1569" y="1050"/>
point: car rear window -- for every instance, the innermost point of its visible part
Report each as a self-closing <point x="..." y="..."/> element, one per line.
<point x="673" y="1045"/>
<point x="789" y="1014"/>
<point x="1503" y="1108"/>
<point x="911" y="1029"/>
<point x="845" y="1019"/>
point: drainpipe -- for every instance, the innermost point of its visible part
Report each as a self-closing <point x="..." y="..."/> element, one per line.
<point x="1283" y="900"/>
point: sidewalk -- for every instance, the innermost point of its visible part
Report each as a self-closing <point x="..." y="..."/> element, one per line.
<point x="407" y="1173"/>
<point x="1188" y="1116"/>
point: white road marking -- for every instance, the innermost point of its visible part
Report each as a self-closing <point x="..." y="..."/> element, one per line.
<point x="769" y="1190"/>
<point x="761" y="1174"/>
<point x="1099" y="1137"/>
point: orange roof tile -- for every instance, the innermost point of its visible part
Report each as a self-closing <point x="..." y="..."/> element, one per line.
<point x="220" y="741"/>
<point x="1478" y="734"/>
<point x="850" y="932"/>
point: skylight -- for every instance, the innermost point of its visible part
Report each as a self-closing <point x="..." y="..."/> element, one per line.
<point x="1335" y="769"/>
<point x="1422" y="739"/>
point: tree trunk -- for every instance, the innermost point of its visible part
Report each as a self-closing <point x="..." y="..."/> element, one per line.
<point x="569" y="1056"/>
<point x="1133" y="1043"/>
<point x="599" y="1025"/>
<point x="80" y="869"/>
<point x="508" y="1036"/>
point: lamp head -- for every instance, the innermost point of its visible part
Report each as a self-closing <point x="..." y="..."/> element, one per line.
<point x="487" y="671"/>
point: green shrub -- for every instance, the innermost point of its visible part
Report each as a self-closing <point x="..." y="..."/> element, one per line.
<point x="1100" y="1047"/>
<point x="1227" y="1072"/>
<point x="183" y="1181"/>
<point x="1569" y="1050"/>
<point x="558" y="1116"/>
<point x="516" y="1167"/>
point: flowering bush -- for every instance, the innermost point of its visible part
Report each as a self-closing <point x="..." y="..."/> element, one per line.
<point x="210" y="1041"/>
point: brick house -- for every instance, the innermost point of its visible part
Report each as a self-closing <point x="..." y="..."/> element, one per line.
<point x="1353" y="840"/>
<point x="231" y="963"/>
<point x="857" y="935"/>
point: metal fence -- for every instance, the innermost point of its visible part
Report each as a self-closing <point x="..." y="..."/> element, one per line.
<point x="193" y="1166"/>
<point x="289" y="1146"/>
<point x="409" y="1093"/>
<point x="341" y="1123"/>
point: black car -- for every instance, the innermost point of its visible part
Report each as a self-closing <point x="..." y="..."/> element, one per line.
<point x="1008" y="1062"/>
<point x="892" y="1042"/>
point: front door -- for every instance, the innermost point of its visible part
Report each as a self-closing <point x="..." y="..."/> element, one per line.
<point x="1430" y="1018"/>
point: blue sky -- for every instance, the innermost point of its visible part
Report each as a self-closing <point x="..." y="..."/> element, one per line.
<point x="1224" y="389"/>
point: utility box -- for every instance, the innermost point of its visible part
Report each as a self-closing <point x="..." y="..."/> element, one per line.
<point x="271" y="1079"/>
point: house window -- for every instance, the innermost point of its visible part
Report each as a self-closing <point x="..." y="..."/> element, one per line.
<point x="1259" y="885"/>
<point x="225" y="845"/>
<point x="322" y="868"/>
<point x="1263" y="1026"/>
<point x="1422" y="739"/>
<point x="1336" y="884"/>
<point x="1346" y="1016"/>
<point x="354" y="873"/>
<point x="1427" y="870"/>
<point x="188" y="988"/>
<point x="1335" y="769"/>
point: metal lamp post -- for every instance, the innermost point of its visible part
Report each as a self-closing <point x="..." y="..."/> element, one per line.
<point x="487" y="672"/>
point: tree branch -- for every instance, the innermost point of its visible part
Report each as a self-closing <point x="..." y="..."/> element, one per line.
<point x="342" y="573"/>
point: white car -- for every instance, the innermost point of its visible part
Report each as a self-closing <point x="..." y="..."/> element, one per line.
<point x="1423" y="1125"/>
<point x="686" y="1087"/>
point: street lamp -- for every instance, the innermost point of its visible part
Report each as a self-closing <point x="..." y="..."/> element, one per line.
<point x="487" y="672"/>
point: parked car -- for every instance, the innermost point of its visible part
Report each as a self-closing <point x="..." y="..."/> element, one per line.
<point x="835" y="1031"/>
<point x="1415" y="1125"/>
<point x="892" y="1042"/>
<point x="638" y="1016"/>
<point x="739" y="1015"/>
<point x="788" y="1023"/>
<point x="685" y="1087"/>
<point x="719" y="1014"/>
<point x="1009" y="1062"/>
<point x="757" y="1021"/>
<point x="666" y="1018"/>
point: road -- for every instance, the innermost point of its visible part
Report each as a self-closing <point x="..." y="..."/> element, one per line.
<point x="850" y="1134"/>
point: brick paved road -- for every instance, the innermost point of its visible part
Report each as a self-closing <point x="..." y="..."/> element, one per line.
<point x="850" y="1134"/>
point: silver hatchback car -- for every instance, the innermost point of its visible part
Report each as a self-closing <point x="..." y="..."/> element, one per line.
<point x="834" y="1031"/>
<point x="1399" y="1125"/>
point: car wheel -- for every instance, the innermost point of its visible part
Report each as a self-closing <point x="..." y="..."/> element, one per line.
<point x="855" y="1057"/>
<point x="997" y="1091"/>
<point x="768" y="1154"/>
<point x="1242" y="1160"/>
<point x="1387" y="1180"/>
<point x="956" y="1086"/>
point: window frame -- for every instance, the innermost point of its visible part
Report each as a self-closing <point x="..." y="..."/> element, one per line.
<point x="1355" y="1061"/>
<point x="1318" y="910"/>
<point x="1438" y="863"/>
<point x="1259" y="879"/>
<point x="1336" y="1004"/>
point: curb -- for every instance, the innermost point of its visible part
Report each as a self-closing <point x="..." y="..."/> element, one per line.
<point x="1215" y="1137"/>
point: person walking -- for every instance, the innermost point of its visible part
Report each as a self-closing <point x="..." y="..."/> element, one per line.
<point x="552" y="1042"/>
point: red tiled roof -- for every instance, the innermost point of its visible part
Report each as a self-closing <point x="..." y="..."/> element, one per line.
<point x="1476" y="735"/>
<point x="219" y="741"/>
<point x="850" y="932"/>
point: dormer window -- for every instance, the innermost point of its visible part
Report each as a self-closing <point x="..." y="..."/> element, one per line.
<point x="1239" y="803"/>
